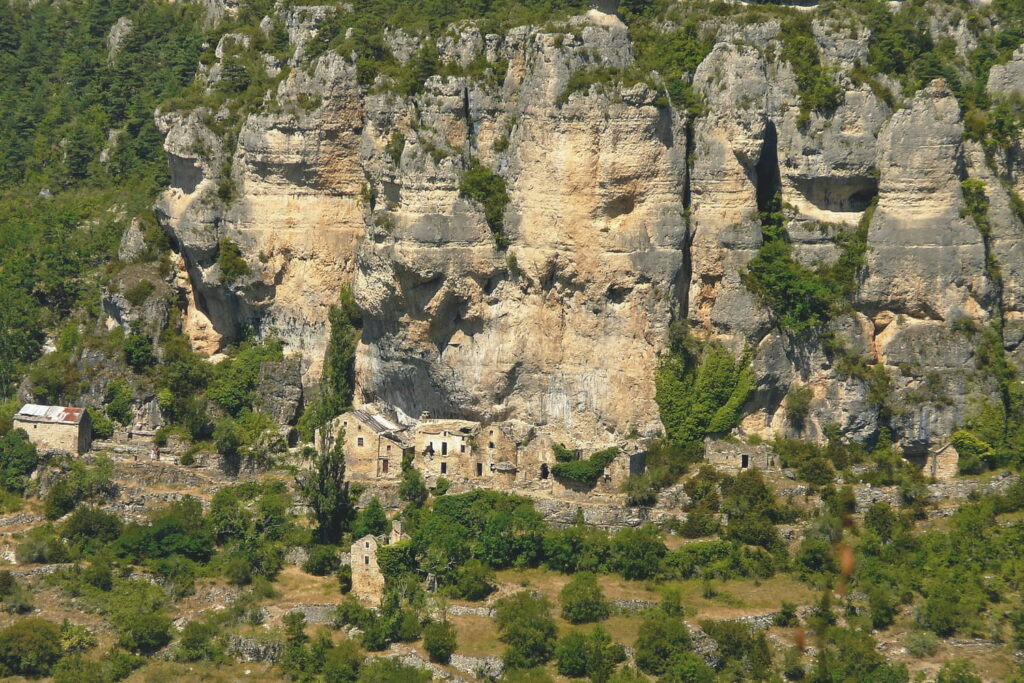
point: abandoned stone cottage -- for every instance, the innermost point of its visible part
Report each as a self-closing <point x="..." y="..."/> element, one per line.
<point x="367" y="579"/>
<point x="735" y="456"/>
<point x="503" y="455"/>
<point x="57" y="428"/>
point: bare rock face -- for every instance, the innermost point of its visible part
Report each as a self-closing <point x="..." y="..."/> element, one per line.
<point x="728" y="147"/>
<point x="295" y="208"/>
<point x="563" y="327"/>
<point x="279" y="392"/>
<point x="927" y="261"/>
<point x="1008" y="79"/>
<point x="623" y="215"/>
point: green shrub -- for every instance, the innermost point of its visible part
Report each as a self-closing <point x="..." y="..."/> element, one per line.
<point x="474" y="581"/>
<point x="798" y="402"/>
<point x="700" y="389"/>
<point x="441" y="486"/>
<point x="144" y="633"/>
<point x="638" y="553"/>
<point x="98" y="575"/>
<point x="323" y="560"/>
<point x="525" y="626"/>
<point x="816" y="83"/>
<point x="234" y="381"/>
<point x="482" y="185"/>
<point x="571" y="654"/>
<point x="18" y="460"/>
<point x="29" y="647"/>
<point x="958" y="671"/>
<point x="138" y="352"/>
<point x="139" y="292"/>
<point x="372" y="520"/>
<point x="384" y="670"/>
<point x="102" y="426"/>
<point x="699" y="523"/>
<point x="395" y="146"/>
<point x="975" y="454"/>
<point x="197" y="642"/>
<point x="585" y="472"/>
<point x="342" y="663"/>
<point x="583" y="601"/>
<point x="660" y="638"/>
<point x="593" y="655"/>
<point x="440" y="641"/>
<point x="238" y="570"/>
<point x="176" y="529"/>
<point x="40" y="546"/>
<point x="786" y="616"/>
<point x="118" y="402"/>
<point x="921" y="643"/>
<point x="233" y="265"/>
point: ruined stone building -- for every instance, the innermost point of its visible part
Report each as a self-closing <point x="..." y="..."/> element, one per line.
<point x="56" y="427"/>
<point x="367" y="579"/>
<point x="483" y="454"/>
<point x="942" y="463"/>
<point x="508" y="456"/>
<point x="735" y="456"/>
<point x="374" y="445"/>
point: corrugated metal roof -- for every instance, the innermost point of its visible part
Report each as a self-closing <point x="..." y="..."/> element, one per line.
<point x="58" y="414"/>
<point x="378" y="424"/>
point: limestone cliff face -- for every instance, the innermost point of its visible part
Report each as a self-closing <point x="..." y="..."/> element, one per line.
<point x="561" y="329"/>
<point x="623" y="216"/>
<point x="295" y="209"/>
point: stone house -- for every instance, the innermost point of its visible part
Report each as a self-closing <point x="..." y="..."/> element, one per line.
<point x="942" y="463"/>
<point x="56" y="427"/>
<point x="374" y="446"/>
<point x="463" y="449"/>
<point x="367" y="579"/>
<point x="737" y="456"/>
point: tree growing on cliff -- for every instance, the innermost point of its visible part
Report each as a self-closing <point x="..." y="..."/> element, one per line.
<point x="325" y="489"/>
<point x="337" y="383"/>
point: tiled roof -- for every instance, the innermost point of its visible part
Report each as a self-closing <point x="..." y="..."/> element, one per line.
<point x="31" y="412"/>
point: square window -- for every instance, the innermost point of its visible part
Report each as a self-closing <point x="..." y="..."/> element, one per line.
<point x="444" y="468"/>
<point x="359" y="441"/>
<point x="366" y="559"/>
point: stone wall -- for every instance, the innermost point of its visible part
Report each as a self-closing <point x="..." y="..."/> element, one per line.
<point x="54" y="436"/>
<point x="367" y="579"/>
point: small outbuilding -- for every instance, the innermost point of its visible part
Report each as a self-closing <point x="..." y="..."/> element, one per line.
<point x="735" y="456"/>
<point x="943" y="463"/>
<point x="59" y="428"/>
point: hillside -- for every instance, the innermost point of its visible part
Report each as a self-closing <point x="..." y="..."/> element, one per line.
<point x="711" y="308"/>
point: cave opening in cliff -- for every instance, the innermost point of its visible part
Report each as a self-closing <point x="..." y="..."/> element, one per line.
<point x="846" y="194"/>
<point x="766" y="172"/>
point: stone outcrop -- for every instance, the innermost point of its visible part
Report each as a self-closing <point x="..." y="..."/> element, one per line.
<point x="624" y="214"/>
